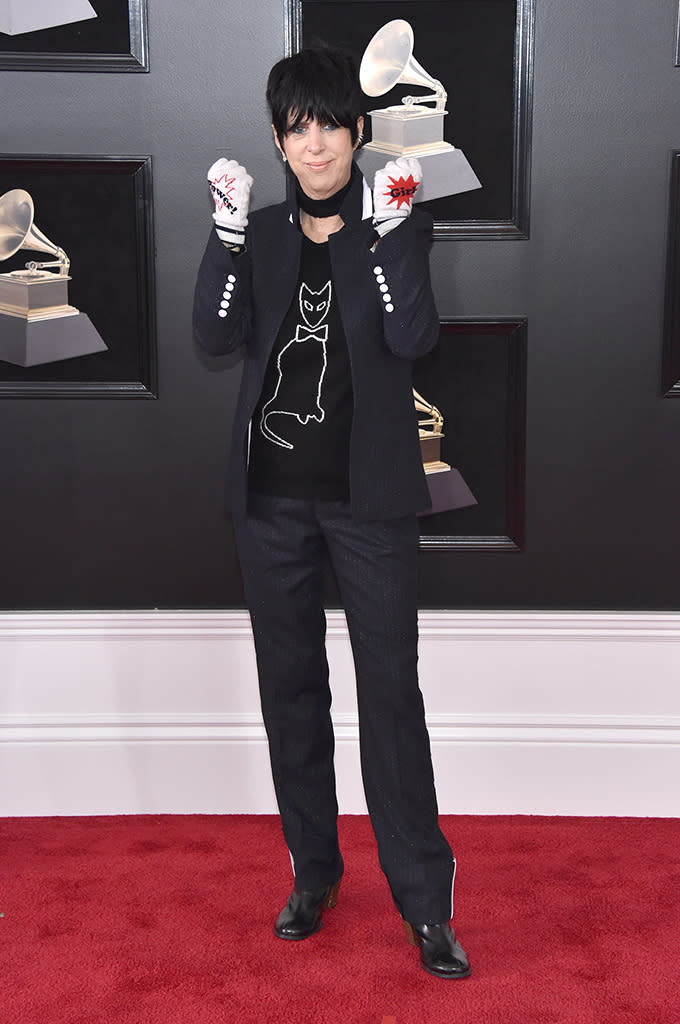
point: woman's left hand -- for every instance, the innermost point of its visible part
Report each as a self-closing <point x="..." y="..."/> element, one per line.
<point x="394" y="191"/>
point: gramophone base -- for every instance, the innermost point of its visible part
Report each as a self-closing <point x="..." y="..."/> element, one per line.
<point x="31" y="343"/>
<point x="448" y="491"/>
<point x="17" y="17"/>
<point x="405" y="128"/>
<point x="445" y="173"/>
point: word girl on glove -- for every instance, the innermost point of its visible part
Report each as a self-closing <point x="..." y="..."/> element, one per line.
<point x="230" y="186"/>
<point x="394" y="192"/>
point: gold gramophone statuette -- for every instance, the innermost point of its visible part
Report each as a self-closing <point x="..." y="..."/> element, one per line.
<point x="410" y="128"/>
<point x="35" y="292"/>
<point x="430" y="432"/>
<point x="37" y="323"/>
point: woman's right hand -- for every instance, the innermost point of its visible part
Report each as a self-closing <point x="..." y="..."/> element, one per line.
<point x="230" y="186"/>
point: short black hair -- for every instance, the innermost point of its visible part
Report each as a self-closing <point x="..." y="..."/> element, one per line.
<point x="318" y="83"/>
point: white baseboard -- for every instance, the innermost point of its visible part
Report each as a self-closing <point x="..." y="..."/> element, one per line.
<point x="155" y="712"/>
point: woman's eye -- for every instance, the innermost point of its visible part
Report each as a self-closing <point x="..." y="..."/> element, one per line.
<point x="329" y="127"/>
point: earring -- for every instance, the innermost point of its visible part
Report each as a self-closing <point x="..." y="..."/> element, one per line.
<point x="284" y="158"/>
<point x="360" y="139"/>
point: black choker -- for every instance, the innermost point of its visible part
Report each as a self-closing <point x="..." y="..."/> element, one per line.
<point x="322" y="207"/>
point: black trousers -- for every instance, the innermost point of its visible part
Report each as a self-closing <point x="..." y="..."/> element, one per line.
<point x="281" y="545"/>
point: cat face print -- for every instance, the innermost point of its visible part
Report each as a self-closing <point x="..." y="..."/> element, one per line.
<point x="314" y="306"/>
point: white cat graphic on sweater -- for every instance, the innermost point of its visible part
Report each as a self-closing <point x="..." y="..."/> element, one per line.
<point x="292" y="394"/>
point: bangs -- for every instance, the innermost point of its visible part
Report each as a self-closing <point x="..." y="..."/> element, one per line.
<point x="312" y="113"/>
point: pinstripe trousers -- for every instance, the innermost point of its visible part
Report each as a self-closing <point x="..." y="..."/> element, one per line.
<point x="282" y="544"/>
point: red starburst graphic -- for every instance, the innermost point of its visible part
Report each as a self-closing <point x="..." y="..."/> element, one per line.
<point x="222" y="189"/>
<point x="402" y="190"/>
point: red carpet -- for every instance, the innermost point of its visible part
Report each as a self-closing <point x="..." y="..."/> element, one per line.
<point x="168" y="920"/>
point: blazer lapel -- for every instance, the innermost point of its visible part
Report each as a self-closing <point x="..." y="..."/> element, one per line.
<point x="278" y="269"/>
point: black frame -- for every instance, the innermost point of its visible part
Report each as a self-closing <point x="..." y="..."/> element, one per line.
<point x="516" y="156"/>
<point x="481" y="392"/>
<point x="72" y="47"/>
<point x="671" y="344"/>
<point x="100" y="210"/>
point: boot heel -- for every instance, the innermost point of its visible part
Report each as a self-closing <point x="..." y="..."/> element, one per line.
<point x="332" y="897"/>
<point x="410" y="934"/>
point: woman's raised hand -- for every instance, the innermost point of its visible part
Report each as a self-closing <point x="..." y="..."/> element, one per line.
<point x="394" y="191"/>
<point x="230" y="186"/>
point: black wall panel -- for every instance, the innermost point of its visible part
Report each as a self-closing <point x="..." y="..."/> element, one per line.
<point x="116" y="503"/>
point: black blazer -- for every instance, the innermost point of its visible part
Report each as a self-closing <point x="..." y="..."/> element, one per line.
<point x="242" y="300"/>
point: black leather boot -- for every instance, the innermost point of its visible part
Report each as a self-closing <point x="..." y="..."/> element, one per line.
<point x="440" y="953"/>
<point x="301" y="916"/>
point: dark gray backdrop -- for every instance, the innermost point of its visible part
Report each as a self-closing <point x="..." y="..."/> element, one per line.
<point x="116" y="503"/>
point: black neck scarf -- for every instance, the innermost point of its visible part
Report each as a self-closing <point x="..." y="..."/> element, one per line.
<point x="323" y="207"/>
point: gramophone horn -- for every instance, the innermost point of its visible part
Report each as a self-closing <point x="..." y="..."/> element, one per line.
<point x="388" y="61"/>
<point x="17" y="230"/>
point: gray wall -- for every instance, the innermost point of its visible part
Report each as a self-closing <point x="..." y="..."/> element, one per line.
<point x="117" y="503"/>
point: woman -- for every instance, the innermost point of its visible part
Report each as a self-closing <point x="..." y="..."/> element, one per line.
<point x="330" y="295"/>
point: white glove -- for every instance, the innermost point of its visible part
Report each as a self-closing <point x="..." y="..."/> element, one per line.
<point x="230" y="187"/>
<point x="393" y="192"/>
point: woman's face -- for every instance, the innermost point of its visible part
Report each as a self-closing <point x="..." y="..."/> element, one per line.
<point x="320" y="156"/>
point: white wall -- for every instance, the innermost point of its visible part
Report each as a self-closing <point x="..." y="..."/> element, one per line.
<point x="543" y="713"/>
